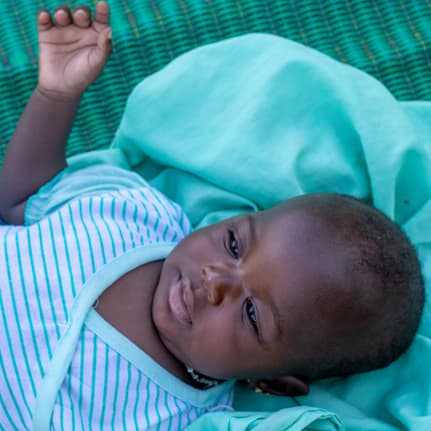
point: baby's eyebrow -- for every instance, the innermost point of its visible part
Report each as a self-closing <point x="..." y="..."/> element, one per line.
<point x="263" y="341"/>
<point x="277" y="318"/>
<point x="252" y="228"/>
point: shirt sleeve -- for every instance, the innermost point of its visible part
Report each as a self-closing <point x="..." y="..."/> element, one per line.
<point x="74" y="183"/>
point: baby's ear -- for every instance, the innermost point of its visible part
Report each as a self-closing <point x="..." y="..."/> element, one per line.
<point x="287" y="385"/>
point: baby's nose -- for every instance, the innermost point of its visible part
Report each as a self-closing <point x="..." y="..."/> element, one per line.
<point x="220" y="281"/>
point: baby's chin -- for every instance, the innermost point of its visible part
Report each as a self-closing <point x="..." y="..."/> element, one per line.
<point x="157" y="312"/>
<point x="162" y="282"/>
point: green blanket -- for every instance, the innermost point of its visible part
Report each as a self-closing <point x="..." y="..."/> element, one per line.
<point x="251" y="121"/>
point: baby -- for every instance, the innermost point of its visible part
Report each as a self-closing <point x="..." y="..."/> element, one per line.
<point x="111" y="318"/>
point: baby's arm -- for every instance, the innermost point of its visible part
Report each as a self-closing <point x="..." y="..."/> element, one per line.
<point x="73" y="50"/>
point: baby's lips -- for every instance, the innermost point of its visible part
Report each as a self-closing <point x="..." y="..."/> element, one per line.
<point x="188" y="297"/>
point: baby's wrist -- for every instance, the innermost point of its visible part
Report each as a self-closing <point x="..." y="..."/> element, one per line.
<point x="57" y="95"/>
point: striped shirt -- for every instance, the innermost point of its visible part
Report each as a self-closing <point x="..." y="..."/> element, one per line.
<point x="61" y="365"/>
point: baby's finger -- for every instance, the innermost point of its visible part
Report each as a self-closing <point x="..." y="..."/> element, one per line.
<point x="62" y="16"/>
<point x="101" y="14"/>
<point x="82" y="16"/>
<point x="44" y="21"/>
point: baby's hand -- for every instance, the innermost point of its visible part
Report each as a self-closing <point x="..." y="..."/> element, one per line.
<point x="73" y="49"/>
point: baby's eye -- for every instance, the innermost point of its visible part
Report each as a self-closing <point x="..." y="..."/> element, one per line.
<point x="233" y="244"/>
<point x="251" y="314"/>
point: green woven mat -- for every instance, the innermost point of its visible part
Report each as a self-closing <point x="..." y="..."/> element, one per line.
<point x="391" y="39"/>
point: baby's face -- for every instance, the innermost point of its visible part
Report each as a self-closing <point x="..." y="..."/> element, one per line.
<point x="240" y="299"/>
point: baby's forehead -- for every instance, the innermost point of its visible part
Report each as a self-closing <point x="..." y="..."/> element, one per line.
<point x="299" y="225"/>
<point x="307" y="255"/>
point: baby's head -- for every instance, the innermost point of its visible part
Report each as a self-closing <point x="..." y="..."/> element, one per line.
<point x="321" y="285"/>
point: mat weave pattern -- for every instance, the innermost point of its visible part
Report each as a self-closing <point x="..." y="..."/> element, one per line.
<point x="390" y="39"/>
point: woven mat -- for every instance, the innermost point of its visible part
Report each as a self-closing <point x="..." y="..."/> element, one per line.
<point x="390" y="39"/>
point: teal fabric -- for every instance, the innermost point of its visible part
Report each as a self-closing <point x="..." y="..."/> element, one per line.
<point x="248" y="122"/>
<point x="296" y="419"/>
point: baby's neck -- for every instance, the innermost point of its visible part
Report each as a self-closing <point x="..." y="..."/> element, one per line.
<point x="127" y="305"/>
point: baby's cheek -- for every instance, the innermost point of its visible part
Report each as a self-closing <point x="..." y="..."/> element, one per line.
<point x="212" y="344"/>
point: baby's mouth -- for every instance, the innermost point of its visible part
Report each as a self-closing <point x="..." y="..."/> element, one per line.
<point x="180" y="301"/>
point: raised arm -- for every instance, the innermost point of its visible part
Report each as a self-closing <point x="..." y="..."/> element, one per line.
<point x="73" y="49"/>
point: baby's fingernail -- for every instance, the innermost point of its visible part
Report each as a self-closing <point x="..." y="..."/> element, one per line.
<point x="109" y="35"/>
<point x="43" y="14"/>
<point x="60" y="9"/>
